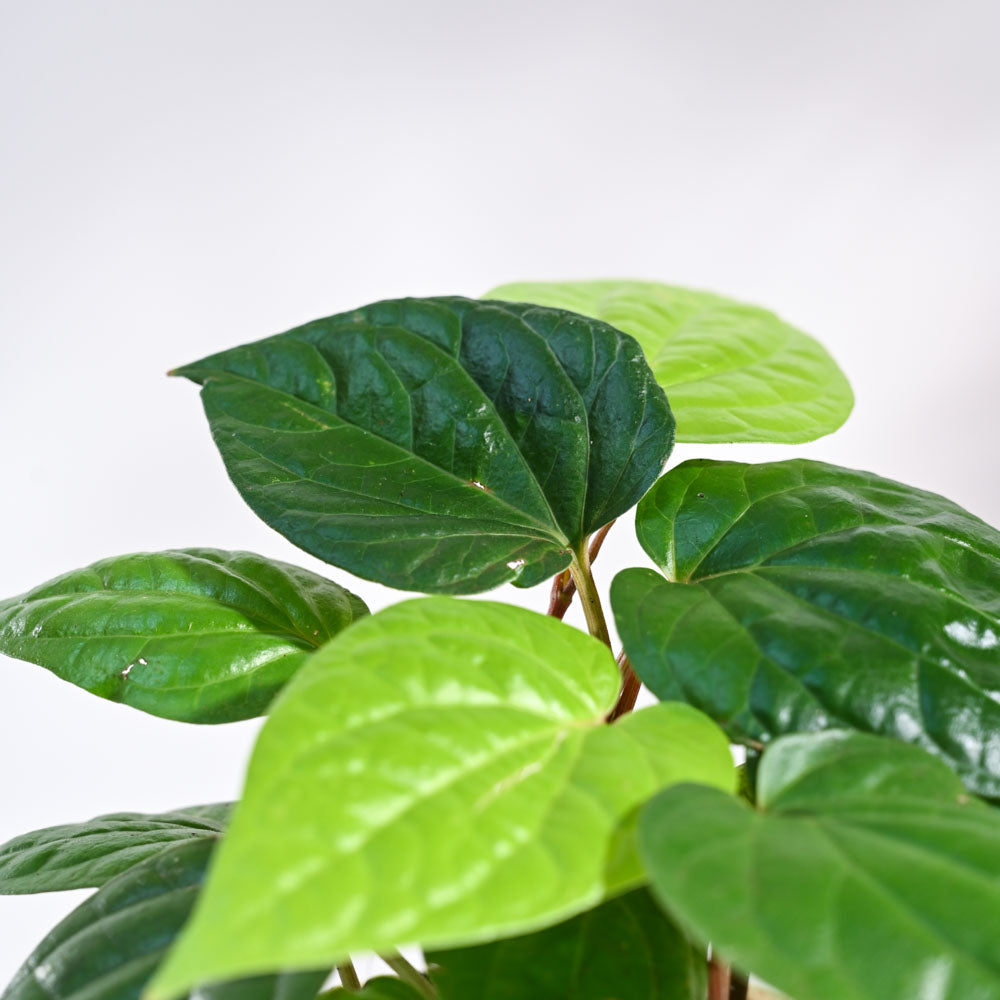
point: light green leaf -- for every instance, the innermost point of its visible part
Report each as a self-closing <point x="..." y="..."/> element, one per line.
<point x="86" y="855"/>
<point x="443" y="445"/>
<point x="626" y="948"/>
<point x="198" y="635"/>
<point x="109" y="947"/>
<point x="869" y="875"/>
<point x="802" y="596"/>
<point x="439" y="774"/>
<point x="733" y="372"/>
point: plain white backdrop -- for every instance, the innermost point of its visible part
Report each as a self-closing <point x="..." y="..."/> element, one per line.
<point x="181" y="177"/>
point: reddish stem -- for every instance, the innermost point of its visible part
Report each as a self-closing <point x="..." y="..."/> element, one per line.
<point x="718" y="980"/>
<point x="725" y="983"/>
<point x="630" y="689"/>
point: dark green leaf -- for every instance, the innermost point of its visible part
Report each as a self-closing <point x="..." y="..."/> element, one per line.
<point x="86" y="855"/>
<point x="442" y="445"/>
<point x="198" y="635"/>
<point x="379" y="988"/>
<point x="802" y="596"/>
<point x="109" y="947"/>
<point x="733" y="372"/>
<point x="625" y="949"/>
<point x="870" y="875"/>
<point x="440" y="774"/>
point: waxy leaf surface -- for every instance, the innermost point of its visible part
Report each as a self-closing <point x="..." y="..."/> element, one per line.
<point x="109" y="947"/>
<point x="86" y="855"/>
<point x="443" y="445"/>
<point x="802" y="596"/>
<point x="197" y="635"/>
<point x="440" y="774"/>
<point x="733" y="372"/>
<point x="626" y="948"/>
<point x="869" y="874"/>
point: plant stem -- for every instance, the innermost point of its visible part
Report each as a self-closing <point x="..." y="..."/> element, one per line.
<point x="563" y="586"/>
<point x="410" y="975"/>
<point x="348" y="976"/>
<point x="725" y="983"/>
<point x="563" y="589"/>
<point x="630" y="689"/>
<point x="718" y="979"/>
<point x="579" y="569"/>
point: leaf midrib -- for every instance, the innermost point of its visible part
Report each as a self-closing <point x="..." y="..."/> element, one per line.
<point x="545" y="530"/>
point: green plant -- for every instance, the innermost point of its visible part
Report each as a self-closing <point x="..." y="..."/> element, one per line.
<point x="471" y="776"/>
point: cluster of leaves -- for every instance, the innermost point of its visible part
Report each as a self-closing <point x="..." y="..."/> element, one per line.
<point x="468" y="775"/>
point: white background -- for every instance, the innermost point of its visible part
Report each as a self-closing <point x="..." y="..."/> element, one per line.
<point x="181" y="177"/>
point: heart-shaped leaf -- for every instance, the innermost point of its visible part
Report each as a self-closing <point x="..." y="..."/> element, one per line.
<point x="86" y="855"/>
<point x="733" y="372"/>
<point x="869" y="875"/>
<point x="109" y="947"/>
<point x="443" y="445"/>
<point x="802" y="596"/>
<point x="197" y="635"/>
<point x="440" y="774"/>
<point x="626" y="948"/>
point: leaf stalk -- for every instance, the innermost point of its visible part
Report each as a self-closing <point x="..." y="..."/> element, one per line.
<point x="348" y="975"/>
<point x="410" y="974"/>
<point x="579" y="570"/>
<point x="564" y="586"/>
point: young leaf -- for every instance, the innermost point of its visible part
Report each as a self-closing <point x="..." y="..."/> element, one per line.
<point x="109" y="947"/>
<point x="802" y="596"/>
<point x="197" y="635"/>
<point x="440" y="774"/>
<point x="626" y="948"/>
<point x="86" y="855"/>
<point x="733" y="372"/>
<point x="860" y="880"/>
<point x="442" y="445"/>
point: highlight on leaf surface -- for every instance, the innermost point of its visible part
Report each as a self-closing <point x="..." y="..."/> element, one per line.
<point x="442" y="445"/>
<point x="439" y="774"/>
<point x="110" y="946"/>
<point x="733" y="372"/>
<point x="869" y="873"/>
<point x="197" y="635"/>
<point x="802" y="596"/>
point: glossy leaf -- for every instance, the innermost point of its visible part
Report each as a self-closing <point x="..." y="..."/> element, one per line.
<point x="86" y="855"/>
<point x="626" y="949"/>
<point x="802" y="596"/>
<point x="379" y="988"/>
<point x="733" y="372"/>
<point x="442" y="445"/>
<point x="869" y="875"/>
<point x="197" y="635"/>
<point x="440" y="774"/>
<point x="109" y="947"/>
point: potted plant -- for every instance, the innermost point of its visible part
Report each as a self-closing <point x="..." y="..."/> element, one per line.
<point x="473" y="777"/>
